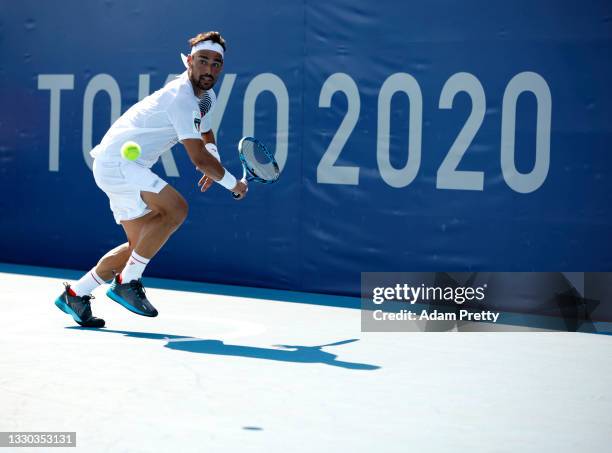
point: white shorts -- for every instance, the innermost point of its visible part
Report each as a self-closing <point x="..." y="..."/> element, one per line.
<point x="122" y="182"/>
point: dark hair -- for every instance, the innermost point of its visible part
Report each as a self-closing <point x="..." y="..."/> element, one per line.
<point x="213" y="36"/>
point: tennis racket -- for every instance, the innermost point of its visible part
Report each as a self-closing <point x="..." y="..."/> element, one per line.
<point x="258" y="164"/>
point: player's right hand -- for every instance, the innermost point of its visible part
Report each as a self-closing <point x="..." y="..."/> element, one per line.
<point x="240" y="190"/>
<point x="205" y="183"/>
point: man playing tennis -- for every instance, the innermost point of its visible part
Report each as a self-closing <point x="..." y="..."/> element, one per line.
<point x="148" y="209"/>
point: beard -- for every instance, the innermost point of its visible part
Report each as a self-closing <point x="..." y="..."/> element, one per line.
<point x="205" y="83"/>
<point x="202" y="82"/>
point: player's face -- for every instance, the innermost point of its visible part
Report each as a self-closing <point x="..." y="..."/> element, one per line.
<point x="206" y="66"/>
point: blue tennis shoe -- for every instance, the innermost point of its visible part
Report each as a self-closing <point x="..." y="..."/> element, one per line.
<point x="79" y="307"/>
<point x="132" y="296"/>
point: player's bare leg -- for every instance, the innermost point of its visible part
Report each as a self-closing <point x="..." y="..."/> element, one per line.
<point x="148" y="234"/>
<point x="113" y="262"/>
<point x="75" y="300"/>
<point x="158" y="225"/>
<point x="171" y="209"/>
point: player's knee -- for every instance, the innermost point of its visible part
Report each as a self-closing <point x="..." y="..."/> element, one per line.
<point x="184" y="212"/>
<point x="181" y="212"/>
<point x="176" y="216"/>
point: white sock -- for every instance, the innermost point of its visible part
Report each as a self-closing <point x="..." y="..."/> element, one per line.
<point x="87" y="283"/>
<point x="134" y="268"/>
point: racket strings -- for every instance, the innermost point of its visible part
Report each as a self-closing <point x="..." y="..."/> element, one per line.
<point x="259" y="161"/>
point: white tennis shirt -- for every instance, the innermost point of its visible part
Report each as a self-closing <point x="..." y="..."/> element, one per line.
<point x="158" y="122"/>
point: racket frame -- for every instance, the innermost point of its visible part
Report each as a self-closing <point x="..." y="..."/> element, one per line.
<point x="248" y="172"/>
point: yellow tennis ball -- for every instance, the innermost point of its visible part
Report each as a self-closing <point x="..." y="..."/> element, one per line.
<point x="130" y="150"/>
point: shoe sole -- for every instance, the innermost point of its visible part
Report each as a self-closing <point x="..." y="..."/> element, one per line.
<point x="66" y="309"/>
<point x="121" y="301"/>
<point x="93" y="325"/>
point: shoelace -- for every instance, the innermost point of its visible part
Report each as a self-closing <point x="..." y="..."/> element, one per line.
<point x="86" y="306"/>
<point x="137" y="287"/>
<point x="86" y="299"/>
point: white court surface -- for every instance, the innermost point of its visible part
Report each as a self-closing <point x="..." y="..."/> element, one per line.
<point x="207" y="375"/>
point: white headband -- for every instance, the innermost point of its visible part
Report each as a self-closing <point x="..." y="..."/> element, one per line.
<point x="203" y="45"/>
<point x="207" y="45"/>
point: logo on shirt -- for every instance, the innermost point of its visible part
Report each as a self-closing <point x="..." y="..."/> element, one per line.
<point x="205" y="103"/>
<point x="196" y="121"/>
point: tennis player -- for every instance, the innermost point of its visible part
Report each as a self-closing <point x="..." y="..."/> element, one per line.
<point x="148" y="208"/>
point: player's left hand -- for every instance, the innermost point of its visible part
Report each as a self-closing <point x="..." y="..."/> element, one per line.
<point x="204" y="183"/>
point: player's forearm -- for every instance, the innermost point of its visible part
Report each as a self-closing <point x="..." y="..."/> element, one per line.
<point x="207" y="164"/>
<point x="202" y="159"/>
<point x="201" y="156"/>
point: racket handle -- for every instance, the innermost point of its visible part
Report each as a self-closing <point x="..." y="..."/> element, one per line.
<point x="245" y="179"/>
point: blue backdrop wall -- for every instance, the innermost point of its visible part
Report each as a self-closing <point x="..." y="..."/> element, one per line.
<point x="413" y="136"/>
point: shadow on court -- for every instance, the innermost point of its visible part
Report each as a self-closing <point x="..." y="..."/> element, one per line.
<point x="286" y="353"/>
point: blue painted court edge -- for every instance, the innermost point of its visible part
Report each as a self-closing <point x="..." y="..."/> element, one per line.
<point x="511" y="319"/>
<point x="199" y="287"/>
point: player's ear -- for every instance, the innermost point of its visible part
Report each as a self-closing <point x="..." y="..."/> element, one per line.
<point x="189" y="59"/>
